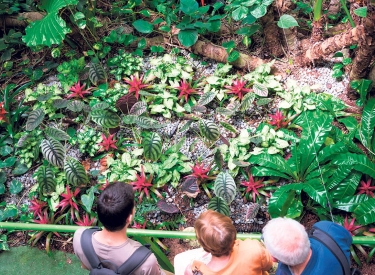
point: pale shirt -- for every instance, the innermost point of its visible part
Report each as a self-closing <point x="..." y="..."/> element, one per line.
<point x="116" y="254"/>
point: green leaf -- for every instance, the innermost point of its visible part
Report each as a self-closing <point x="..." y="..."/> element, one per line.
<point x="287" y="21"/>
<point x="228" y="126"/>
<point x="263" y="101"/>
<point x="240" y="13"/>
<point x="275" y="162"/>
<point x="206" y="98"/>
<point x="188" y="6"/>
<point x="281" y="197"/>
<point x="3" y="177"/>
<point x="219" y="205"/>
<point x="152" y="145"/>
<point x="247" y="101"/>
<point x="347" y="187"/>
<point x="46" y="180"/>
<point x="315" y="189"/>
<point x="19" y="169"/>
<point x="96" y="73"/>
<point x="209" y="130"/>
<point x="350" y="203"/>
<point x="75" y="172"/>
<point x="15" y="187"/>
<point x="260" y="171"/>
<point x="88" y="200"/>
<point x="361" y="12"/>
<point x="60" y="103"/>
<point x="105" y="118"/>
<point x="35" y="118"/>
<point x="225" y="187"/>
<point x="56" y="133"/>
<point x="259" y="11"/>
<point x="147" y="122"/>
<point x="75" y="106"/>
<point x="366" y="130"/>
<point x="248" y="31"/>
<point x="260" y="89"/>
<point x="143" y="26"/>
<point x="233" y="56"/>
<point x="53" y="151"/>
<point x="51" y="29"/>
<point x="8" y="162"/>
<point x="2" y="189"/>
<point x="138" y="108"/>
<point x="100" y="106"/>
<point x="188" y="37"/>
<point x="359" y="163"/>
<point x="5" y="150"/>
<point x="365" y="212"/>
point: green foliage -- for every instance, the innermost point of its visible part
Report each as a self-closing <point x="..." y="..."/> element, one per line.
<point x="219" y="205"/>
<point x="35" y="118"/>
<point x="28" y="146"/>
<point x="52" y="28"/>
<point x="75" y="172"/>
<point x="124" y="167"/>
<point x="105" y="118"/>
<point x="287" y="21"/>
<point x="338" y="68"/>
<point x="152" y="145"/>
<point x="363" y="87"/>
<point x="209" y="130"/>
<point x="225" y="187"/>
<point x="46" y="180"/>
<point x="124" y="64"/>
<point x="69" y="72"/>
<point x="53" y="151"/>
<point x="8" y="43"/>
<point x="87" y="139"/>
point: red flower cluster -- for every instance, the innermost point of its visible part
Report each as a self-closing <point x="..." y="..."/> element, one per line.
<point x="278" y="120"/>
<point x="136" y="84"/>
<point x="107" y="143"/>
<point x="2" y="112"/>
<point x="37" y="207"/>
<point x="186" y="90"/>
<point x="351" y="227"/>
<point x="253" y="186"/>
<point x="78" y="91"/>
<point x="238" y="88"/>
<point x="199" y="171"/>
<point x="142" y="184"/>
<point x="86" y="221"/>
<point x="366" y="188"/>
<point x="69" y="200"/>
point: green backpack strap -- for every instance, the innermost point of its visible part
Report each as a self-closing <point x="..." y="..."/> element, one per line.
<point x="135" y="261"/>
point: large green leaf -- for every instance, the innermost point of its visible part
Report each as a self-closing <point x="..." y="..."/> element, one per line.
<point x="359" y="163"/>
<point x="209" y="130"/>
<point x="347" y="187"/>
<point x="53" y="151"/>
<point x="188" y="37"/>
<point x="206" y="98"/>
<point x="315" y="189"/>
<point x="365" y="212"/>
<point x="219" y="205"/>
<point x="348" y="204"/>
<point x="282" y="198"/>
<point x="35" y="118"/>
<point x="75" y="172"/>
<point x="225" y="187"/>
<point x="313" y="137"/>
<point x="368" y="123"/>
<point x="46" y="180"/>
<point x="247" y="101"/>
<point x="52" y="28"/>
<point x="339" y="175"/>
<point x="152" y="145"/>
<point x="287" y="21"/>
<point x="96" y="73"/>
<point x="56" y="133"/>
<point x="105" y="118"/>
<point x="88" y="199"/>
<point x="261" y="171"/>
<point x="143" y="26"/>
<point x="147" y="122"/>
<point x="188" y="6"/>
<point x="274" y="162"/>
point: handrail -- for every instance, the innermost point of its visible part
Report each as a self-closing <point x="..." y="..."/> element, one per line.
<point x="145" y="232"/>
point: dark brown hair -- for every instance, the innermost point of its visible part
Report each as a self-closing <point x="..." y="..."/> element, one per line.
<point x="115" y="205"/>
<point x="215" y="233"/>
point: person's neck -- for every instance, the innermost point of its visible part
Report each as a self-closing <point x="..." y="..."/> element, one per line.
<point x="298" y="269"/>
<point x="111" y="238"/>
<point x="218" y="263"/>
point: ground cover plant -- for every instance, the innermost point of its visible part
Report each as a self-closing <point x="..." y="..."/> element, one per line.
<point x="128" y="102"/>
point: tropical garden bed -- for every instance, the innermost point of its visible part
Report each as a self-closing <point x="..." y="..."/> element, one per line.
<point x="132" y="94"/>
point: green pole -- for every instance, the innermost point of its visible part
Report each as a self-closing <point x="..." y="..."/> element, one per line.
<point x="144" y="232"/>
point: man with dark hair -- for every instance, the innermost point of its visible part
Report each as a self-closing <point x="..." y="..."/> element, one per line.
<point x="115" y="211"/>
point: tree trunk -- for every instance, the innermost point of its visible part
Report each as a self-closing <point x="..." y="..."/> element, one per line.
<point x="317" y="30"/>
<point x="366" y="46"/>
<point x="271" y="34"/>
<point x="14" y="21"/>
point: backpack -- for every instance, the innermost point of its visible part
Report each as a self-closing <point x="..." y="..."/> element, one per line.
<point x="331" y="244"/>
<point x="106" y="267"/>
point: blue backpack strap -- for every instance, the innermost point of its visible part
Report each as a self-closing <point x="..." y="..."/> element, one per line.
<point x="88" y="248"/>
<point x="331" y="244"/>
<point x="134" y="261"/>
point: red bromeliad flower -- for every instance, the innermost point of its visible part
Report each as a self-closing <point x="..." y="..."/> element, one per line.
<point x="86" y="221"/>
<point x="199" y="171"/>
<point x="139" y="226"/>
<point x="69" y="200"/>
<point x="366" y="188"/>
<point x="2" y="112"/>
<point x="253" y="186"/>
<point x="107" y="143"/>
<point x="136" y="84"/>
<point x="142" y="184"/>
<point x="37" y="206"/>
<point x="185" y="90"/>
<point x="43" y="218"/>
<point x="278" y="119"/>
<point x="351" y="227"/>
<point x="237" y="88"/>
<point x="78" y="91"/>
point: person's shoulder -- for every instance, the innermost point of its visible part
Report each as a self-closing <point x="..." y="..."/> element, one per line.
<point x="334" y="230"/>
<point x="78" y="233"/>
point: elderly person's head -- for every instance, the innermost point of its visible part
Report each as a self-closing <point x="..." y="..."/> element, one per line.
<point x="215" y="233"/>
<point x="287" y="241"/>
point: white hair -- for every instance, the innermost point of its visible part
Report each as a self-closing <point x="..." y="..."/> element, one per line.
<point x="287" y="241"/>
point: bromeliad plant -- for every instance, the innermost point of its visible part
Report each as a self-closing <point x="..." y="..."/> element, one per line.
<point x="143" y="185"/>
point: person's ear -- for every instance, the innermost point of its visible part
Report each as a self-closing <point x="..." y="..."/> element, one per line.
<point x="131" y="217"/>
